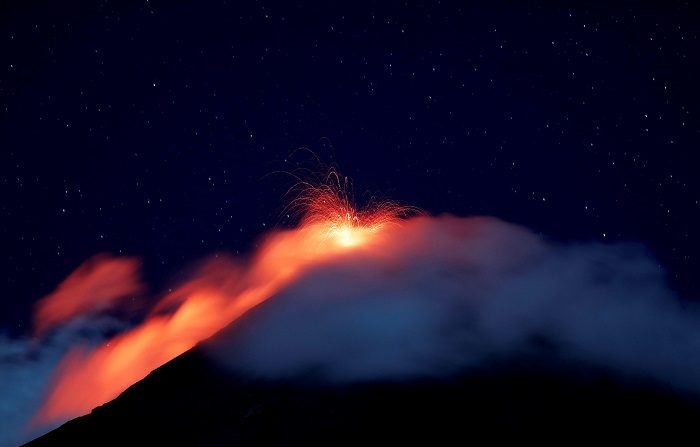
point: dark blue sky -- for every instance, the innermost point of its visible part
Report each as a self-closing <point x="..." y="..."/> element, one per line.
<point x="150" y="128"/>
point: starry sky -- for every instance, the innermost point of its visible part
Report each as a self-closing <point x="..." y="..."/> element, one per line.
<point x="155" y="128"/>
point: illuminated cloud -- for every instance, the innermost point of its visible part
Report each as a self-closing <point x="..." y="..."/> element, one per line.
<point x="96" y="285"/>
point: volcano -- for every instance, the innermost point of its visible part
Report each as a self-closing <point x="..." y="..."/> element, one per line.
<point x="442" y="329"/>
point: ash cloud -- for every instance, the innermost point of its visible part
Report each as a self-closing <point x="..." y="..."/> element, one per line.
<point x="447" y="294"/>
<point x="432" y="297"/>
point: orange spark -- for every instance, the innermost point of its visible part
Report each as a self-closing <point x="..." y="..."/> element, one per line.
<point x="328" y="208"/>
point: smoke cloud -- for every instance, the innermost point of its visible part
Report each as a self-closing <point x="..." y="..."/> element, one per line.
<point x="445" y="294"/>
<point x="27" y="367"/>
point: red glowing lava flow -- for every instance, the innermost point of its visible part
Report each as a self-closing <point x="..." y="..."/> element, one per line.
<point x="218" y="294"/>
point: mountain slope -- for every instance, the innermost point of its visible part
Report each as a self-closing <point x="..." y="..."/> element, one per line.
<point x="190" y="401"/>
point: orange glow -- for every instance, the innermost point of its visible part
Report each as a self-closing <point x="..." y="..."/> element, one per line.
<point x="96" y="285"/>
<point x="220" y="292"/>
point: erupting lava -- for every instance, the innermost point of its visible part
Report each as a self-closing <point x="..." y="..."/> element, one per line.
<point x="221" y="291"/>
<point x="329" y="211"/>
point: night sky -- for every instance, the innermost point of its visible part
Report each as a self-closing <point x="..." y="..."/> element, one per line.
<point x="155" y="128"/>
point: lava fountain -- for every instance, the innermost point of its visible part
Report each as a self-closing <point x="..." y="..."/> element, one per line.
<point x="220" y="292"/>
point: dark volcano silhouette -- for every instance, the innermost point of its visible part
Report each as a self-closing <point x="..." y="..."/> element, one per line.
<point x="191" y="401"/>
